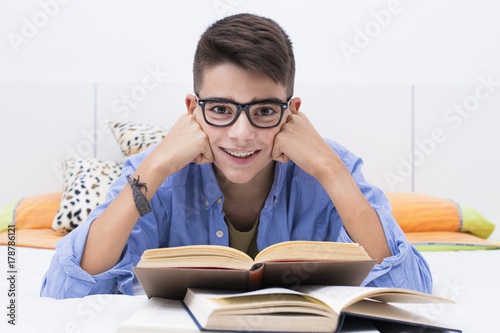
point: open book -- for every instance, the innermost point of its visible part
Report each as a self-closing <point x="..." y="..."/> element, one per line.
<point x="168" y="272"/>
<point x="307" y="309"/>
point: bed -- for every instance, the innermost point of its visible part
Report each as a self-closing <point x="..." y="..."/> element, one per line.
<point x="470" y="278"/>
<point x="453" y="238"/>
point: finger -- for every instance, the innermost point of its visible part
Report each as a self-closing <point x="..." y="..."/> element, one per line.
<point x="199" y="159"/>
<point x="206" y="155"/>
<point x="202" y="159"/>
<point x="277" y="154"/>
<point x="290" y="118"/>
<point x="281" y="158"/>
<point x="205" y="159"/>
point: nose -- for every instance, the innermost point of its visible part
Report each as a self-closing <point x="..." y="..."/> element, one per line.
<point x="242" y="129"/>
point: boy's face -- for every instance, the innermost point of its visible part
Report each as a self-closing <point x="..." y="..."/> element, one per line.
<point x="230" y="82"/>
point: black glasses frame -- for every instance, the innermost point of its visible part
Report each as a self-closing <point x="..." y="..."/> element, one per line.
<point x="242" y="107"/>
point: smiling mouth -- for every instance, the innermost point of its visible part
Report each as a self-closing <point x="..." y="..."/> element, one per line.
<point x="240" y="154"/>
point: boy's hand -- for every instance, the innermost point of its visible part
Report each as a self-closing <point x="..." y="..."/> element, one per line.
<point x="299" y="141"/>
<point x="184" y="143"/>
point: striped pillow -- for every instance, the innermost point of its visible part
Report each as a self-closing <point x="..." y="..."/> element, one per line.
<point x="420" y="212"/>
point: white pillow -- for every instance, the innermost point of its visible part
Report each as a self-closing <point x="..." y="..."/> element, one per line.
<point x="86" y="182"/>
<point x="134" y="137"/>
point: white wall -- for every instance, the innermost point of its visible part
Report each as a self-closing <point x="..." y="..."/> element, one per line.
<point x="424" y="42"/>
<point x="66" y="65"/>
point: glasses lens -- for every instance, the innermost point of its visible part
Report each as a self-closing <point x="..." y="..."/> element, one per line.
<point x="266" y="114"/>
<point x="219" y="113"/>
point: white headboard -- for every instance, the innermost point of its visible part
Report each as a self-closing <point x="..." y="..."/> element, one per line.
<point x="450" y="132"/>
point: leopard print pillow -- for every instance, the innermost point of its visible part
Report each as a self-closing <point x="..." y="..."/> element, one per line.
<point x="86" y="182"/>
<point x="134" y="137"/>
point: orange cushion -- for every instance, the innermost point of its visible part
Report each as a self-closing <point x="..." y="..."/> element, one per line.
<point x="33" y="218"/>
<point x="38" y="238"/>
<point x="420" y="212"/>
<point x="37" y="212"/>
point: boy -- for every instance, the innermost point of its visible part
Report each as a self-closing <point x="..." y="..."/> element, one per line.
<point x="242" y="168"/>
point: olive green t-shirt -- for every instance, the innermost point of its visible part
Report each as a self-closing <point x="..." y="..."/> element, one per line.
<point x="245" y="241"/>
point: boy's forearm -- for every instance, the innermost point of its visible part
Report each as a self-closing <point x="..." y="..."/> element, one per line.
<point x="108" y="234"/>
<point x="110" y="231"/>
<point x="358" y="216"/>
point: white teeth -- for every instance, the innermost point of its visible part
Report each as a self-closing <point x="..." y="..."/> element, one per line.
<point x="237" y="154"/>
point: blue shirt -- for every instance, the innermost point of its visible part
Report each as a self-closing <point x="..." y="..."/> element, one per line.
<point x="187" y="210"/>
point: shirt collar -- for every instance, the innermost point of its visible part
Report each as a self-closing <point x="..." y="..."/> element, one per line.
<point x="278" y="183"/>
<point x="212" y="190"/>
<point x="210" y="185"/>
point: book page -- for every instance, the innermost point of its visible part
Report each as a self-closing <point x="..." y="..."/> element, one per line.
<point x="368" y="308"/>
<point x="160" y="315"/>
<point x="337" y="297"/>
<point x="340" y="297"/>
<point x="196" y="256"/>
<point x="271" y="298"/>
<point x="312" y="250"/>
<point x="274" y="310"/>
<point x="384" y="310"/>
<point x="205" y="261"/>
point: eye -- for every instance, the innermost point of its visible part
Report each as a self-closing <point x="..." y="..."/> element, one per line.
<point x="220" y="109"/>
<point x="265" y="111"/>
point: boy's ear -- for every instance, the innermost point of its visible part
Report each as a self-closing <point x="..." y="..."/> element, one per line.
<point x="295" y="104"/>
<point x="191" y="103"/>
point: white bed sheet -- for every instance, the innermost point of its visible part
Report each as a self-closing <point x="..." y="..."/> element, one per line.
<point x="470" y="278"/>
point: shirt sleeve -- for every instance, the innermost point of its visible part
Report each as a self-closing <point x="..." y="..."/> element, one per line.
<point x="406" y="268"/>
<point x="66" y="279"/>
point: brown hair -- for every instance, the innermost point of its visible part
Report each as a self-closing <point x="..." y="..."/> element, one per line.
<point x="251" y="42"/>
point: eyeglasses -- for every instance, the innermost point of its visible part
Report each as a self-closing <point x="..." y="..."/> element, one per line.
<point x="262" y="114"/>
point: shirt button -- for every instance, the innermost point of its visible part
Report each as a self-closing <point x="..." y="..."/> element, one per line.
<point x="206" y="203"/>
<point x="219" y="200"/>
<point x="219" y="233"/>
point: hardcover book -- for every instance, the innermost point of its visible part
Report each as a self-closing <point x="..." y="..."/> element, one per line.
<point x="309" y="309"/>
<point x="168" y="272"/>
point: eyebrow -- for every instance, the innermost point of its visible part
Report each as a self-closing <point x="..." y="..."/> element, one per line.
<point x="255" y="100"/>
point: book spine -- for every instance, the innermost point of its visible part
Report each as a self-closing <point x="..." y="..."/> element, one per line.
<point x="256" y="276"/>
